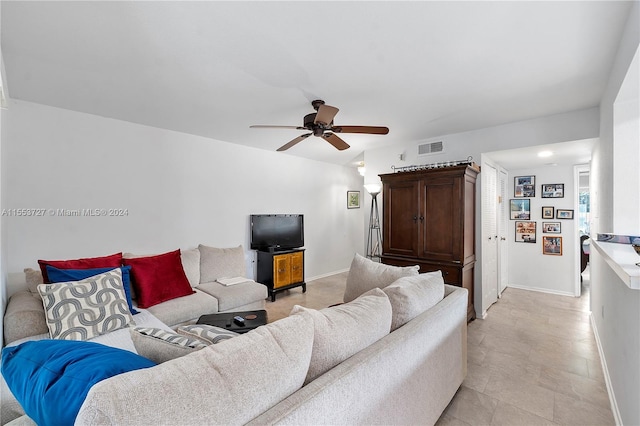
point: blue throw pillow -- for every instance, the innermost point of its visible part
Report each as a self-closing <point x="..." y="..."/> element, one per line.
<point x="51" y="378"/>
<point x="65" y="275"/>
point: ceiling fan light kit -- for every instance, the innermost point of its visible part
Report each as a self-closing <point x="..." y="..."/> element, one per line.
<point x="320" y="124"/>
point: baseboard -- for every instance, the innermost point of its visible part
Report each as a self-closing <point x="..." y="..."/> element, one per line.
<point x="317" y="277"/>
<point x="542" y="290"/>
<point x="605" y="371"/>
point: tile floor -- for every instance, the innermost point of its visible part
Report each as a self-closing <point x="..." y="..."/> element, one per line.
<point x="532" y="361"/>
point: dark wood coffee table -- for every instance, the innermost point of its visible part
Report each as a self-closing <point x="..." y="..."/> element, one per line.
<point x="252" y="319"/>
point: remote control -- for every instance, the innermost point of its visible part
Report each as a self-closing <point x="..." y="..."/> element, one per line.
<point x="238" y="320"/>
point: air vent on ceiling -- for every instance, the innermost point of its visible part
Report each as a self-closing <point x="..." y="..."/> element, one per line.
<point x="430" y="148"/>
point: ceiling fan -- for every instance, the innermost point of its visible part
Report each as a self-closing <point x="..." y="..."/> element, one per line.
<point x="320" y="124"/>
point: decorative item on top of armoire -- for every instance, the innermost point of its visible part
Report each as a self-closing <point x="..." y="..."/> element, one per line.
<point x="429" y="220"/>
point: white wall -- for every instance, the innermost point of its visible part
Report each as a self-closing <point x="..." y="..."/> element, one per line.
<point x="180" y="190"/>
<point x="571" y="126"/>
<point x="528" y="267"/>
<point x="615" y="307"/>
<point x="626" y="153"/>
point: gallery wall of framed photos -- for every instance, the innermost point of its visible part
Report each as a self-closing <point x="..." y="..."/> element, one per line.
<point x="520" y="211"/>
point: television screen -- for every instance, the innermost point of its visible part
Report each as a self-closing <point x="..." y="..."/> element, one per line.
<point x="277" y="231"/>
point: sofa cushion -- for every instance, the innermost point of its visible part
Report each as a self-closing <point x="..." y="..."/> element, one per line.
<point x="229" y="383"/>
<point x="24" y="317"/>
<point x="366" y="274"/>
<point x="80" y="310"/>
<point x="158" y="278"/>
<point x="185" y="309"/>
<point x="208" y="334"/>
<point x="411" y="296"/>
<point x="221" y="263"/>
<point x="50" y="378"/>
<point x="233" y="296"/>
<point x="65" y="275"/>
<point x="111" y="261"/>
<point x="343" y="330"/>
<point x="160" y="345"/>
<point x="191" y="265"/>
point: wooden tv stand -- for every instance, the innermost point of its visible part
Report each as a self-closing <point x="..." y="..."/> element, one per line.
<point x="281" y="270"/>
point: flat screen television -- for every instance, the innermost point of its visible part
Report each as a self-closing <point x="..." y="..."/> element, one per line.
<point x="275" y="232"/>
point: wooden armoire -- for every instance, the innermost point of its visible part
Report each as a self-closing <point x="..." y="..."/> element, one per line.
<point x="429" y="220"/>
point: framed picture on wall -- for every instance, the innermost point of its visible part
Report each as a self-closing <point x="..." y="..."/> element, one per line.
<point x="353" y="199"/>
<point x="564" y="214"/>
<point x="520" y="209"/>
<point x="552" y="245"/>
<point x="553" y="190"/>
<point x="547" y="212"/>
<point x="551" y="227"/>
<point x="524" y="187"/>
<point x="525" y="232"/>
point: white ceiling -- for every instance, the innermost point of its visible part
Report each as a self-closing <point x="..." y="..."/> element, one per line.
<point x="423" y="69"/>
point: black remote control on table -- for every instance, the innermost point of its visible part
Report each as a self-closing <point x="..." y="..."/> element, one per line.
<point x="238" y="320"/>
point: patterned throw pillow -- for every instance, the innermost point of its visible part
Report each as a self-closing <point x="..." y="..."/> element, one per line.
<point x="81" y="310"/>
<point x="160" y="345"/>
<point x="209" y="334"/>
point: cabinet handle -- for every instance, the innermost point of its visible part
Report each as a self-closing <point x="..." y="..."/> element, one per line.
<point x="280" y="270"/>
<point x="421" y="218"/>
<point x="415" y="219"/>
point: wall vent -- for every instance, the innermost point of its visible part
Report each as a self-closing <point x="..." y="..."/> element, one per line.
<point x="430" y="148"/>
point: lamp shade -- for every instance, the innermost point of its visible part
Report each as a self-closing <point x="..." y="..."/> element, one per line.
<point x="373" y="188"/>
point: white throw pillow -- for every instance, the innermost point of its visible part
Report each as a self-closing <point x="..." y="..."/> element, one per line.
<point x="366" y="274"/>
<point x="344" y="330"/>
<point x="253" y="371"/>
<point x="80" y="310"/>
<point x="191" y="265"/>
<point x="221" y="263"/>
<point x="411" y="296"/>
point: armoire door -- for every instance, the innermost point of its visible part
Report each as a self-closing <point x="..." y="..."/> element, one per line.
<point x="441" y="219"/>
<point x="401" y="213"/>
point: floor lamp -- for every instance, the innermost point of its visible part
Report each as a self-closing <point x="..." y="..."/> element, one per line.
<point x="374" y="240"/>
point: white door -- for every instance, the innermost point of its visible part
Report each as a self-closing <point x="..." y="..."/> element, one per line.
<point x="503" y="277"/>
<point x="489" y="237"/>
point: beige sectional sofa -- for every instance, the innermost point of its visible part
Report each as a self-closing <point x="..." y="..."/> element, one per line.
<point x="25" y="316"/>
<point x="394" y="353"/>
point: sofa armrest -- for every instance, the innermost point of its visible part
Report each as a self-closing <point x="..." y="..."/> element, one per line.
<point x="24" y="317"/>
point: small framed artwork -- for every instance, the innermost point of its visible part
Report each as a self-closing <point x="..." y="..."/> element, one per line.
<point x="524" y="187"/>
<point x="520" y="209"/>
<point x="525" y="232"/>
<point x="547" y="212"/>
<point x="564" y="214"/>
<point x="552" y="245"/>
<point x="553" y="190"/>
<point x="353" y="199"/>
<point x="551" y="227"/>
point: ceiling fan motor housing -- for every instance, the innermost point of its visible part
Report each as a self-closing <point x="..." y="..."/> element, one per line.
<point x="317" y="128"/>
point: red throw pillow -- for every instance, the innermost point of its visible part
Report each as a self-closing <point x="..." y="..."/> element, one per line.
<point x="157" y="279"/>
<point x="111" y="261"/>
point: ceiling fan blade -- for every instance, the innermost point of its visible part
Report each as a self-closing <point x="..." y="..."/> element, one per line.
<point x="293" y="142"/>
<point x="325" y="114"/>
<point x="334" y="140"/>
<point x="266" y="126"/>
<point x="372" y="130"/>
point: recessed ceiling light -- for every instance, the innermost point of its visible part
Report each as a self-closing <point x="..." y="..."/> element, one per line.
<point x="551" y="164"/>
<point x="545" y="154"/>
